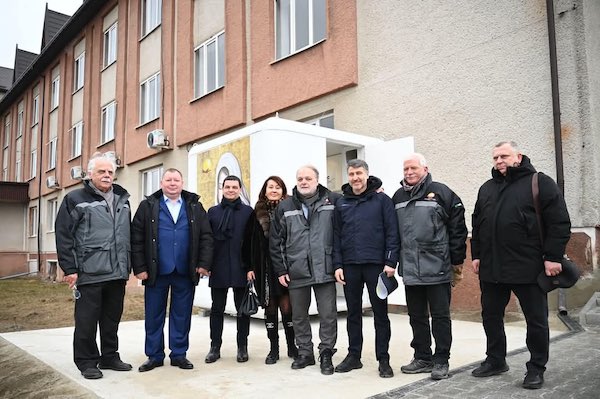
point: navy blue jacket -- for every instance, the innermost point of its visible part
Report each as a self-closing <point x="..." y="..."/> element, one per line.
<point x="365" y="228"/>
<point x="228" y="269"/>
<point x="173" y="240"/>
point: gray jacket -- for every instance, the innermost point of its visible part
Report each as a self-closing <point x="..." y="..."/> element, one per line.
<point x="89" y="240"/>
<point x="303" y="248"/>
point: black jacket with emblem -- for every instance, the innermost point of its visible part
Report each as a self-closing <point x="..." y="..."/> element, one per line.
<point x="303" y="248"/>
<point x="506" y="237"/>
<point x="431" y="221"/>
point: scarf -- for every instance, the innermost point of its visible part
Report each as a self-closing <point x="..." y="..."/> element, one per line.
<point x="225" y="229"/>
<point x="108" y="196"/>
<point x="409" y="188"/>
<point x="308" y="203"/>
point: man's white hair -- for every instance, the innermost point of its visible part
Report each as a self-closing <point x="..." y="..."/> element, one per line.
<point x="417" y="156"/>
<point x="108" y="156"/>
<point x="311" y="167"/>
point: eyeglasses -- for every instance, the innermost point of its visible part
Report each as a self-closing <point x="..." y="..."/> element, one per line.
<point x="76" y="293"/>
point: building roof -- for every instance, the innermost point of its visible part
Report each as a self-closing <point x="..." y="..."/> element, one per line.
<point x="23" y="59"/>
<point x="70" y="30"/>
<point x="6" y="78"/>
<point x="53" y="23"/>
<point x="14" y="192"/>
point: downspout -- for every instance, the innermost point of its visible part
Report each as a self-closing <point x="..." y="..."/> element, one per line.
<point x="558" y="153"/>
<point x="40" y="152"/>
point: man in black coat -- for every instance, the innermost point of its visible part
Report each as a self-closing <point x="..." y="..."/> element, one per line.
<point x="228" y="221"/>
<point x="171" y="240"/>
<point x="508" y="256"/>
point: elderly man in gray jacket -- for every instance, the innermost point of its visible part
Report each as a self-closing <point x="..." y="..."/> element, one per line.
<point x="92" y="243"/>
<point x="301" y="242"/>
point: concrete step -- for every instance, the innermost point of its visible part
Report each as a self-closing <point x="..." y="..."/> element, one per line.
<point x="590" y="314"/>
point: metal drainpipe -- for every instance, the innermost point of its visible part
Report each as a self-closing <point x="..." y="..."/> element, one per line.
<point x="560" y="178"/>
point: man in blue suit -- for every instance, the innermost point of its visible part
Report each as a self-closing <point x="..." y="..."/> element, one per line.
<point x="171" y="239"/>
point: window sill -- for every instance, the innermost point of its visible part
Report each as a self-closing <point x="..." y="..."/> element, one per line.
<point x="145" y="35"/>
<point x="142" y="124"/>
<point x="50" y="169"/>
<point x="76" y="91"/>
<point x="303" y="49"/>
<point x="206" y="95"/>
<point x="104" y="68"/>
<point x="74" y="158"/>
<point x="105" y="143"/>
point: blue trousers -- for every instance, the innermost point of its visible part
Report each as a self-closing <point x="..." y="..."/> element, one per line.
<point x="180" y="315"/>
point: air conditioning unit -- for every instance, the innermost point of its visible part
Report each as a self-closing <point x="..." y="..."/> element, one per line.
<point x="51" y="182"/>
<point x="157" y="139"/>
<point x="77" y="173"/>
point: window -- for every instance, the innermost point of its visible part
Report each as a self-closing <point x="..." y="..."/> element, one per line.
<point x="20" y="121"/>
<point x="150" y="102"/>
<point x="32" y="225"/>
<point x="54" y="93"/>
<point x="109" y="114"/>
<point x="52" y="154"/>
<point x="33" y="164"/>
<point x="52" y="212"/>
<point x="210" y="65"/>
<point x="19" y="160"/>
<point x="151" y="15"/>
<point x="323" y="121"/>
<point x="151" y="180"/>
<point x="110" y="45"/>
<point x="5" y="148"/>
<point x="76" y="139"/>
<point x="35" y="106"/>
<point x="299" y="24"/>
<point x="79" y="72"/>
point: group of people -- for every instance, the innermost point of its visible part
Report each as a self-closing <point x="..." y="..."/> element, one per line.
<point x="291" y="246"/>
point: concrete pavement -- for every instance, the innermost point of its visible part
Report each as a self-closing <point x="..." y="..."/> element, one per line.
<point x="228" y="379"/>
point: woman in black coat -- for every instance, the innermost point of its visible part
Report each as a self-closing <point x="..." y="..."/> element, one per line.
<point x="273" y="296"/>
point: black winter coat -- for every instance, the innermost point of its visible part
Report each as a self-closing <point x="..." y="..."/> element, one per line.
<point x="365" y="228"/>
<point x="144" y="236"/>
<point x="506" y="238"/>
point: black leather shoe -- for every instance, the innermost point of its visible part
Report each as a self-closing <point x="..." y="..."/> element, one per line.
<point x="242" y="354"/>
<point x="214" y="354"/>
<point x="385" y="370"/>
<point x="92" y="373"/>
<point x="488" y="369"/>
<point x="182" y="363"/>
<point x="272" y="357"/>
<point x="302" y="361"/>
<point x="351" y="362"/>
<point x="326" y="363"/>
<point x="116" y="365"/>
<point x="150" y="365"/>
<point x="533" y="380"/>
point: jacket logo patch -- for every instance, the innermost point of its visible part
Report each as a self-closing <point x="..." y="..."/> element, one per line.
<point x="430" y="197"/>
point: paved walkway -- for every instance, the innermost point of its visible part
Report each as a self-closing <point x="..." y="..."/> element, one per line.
<point x="37" y="364"/>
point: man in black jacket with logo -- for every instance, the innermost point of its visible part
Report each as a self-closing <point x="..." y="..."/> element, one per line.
<point x="508" y="256"/>
<point x="171" y="240"/>
<point x="92" y="244"/>
<point x="365" y="243"/>
<point x="431" y="220"/>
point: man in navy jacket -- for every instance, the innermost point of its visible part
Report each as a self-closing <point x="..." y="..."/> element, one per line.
<point x="171" y="239"/>
<point x="365" y="243"/>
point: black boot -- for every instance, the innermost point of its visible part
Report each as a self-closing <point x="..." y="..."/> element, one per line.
<point x="271" y="324"/>
<point x="288" y="328"/>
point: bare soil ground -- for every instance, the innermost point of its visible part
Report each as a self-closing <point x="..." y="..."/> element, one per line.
<point x="32" y="303"/>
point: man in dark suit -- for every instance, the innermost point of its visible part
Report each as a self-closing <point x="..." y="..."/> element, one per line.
<point x="171" y="239"/>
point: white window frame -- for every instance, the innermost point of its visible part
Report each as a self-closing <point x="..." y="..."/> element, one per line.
<point x="6" y="147"/>
<point x="285" y="27"/>
<point x="20" y="116"/>
<point x="19" y="159"/>
<point x="319" y="121"/>
<point x="150" y="99"/>
<point x="33" y="163"/>
<point x="108" y="122"/>
<point x="35" y="108"/>
<point x="151" y="180"/>
<point x="32" y="226"/>
<point x="55" y="93"/>
<point x="79" y="72"/>
<point x="52" y="144"/>
<point x="110" y="45"/>
<point x="76" y="139"/>
<point x="151" y="15"/>
<point x="206" y="70"/>
<point x="52" y="212"/>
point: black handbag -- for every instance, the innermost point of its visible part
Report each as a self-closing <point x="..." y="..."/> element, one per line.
<point x="250" y="302"/>
<point x="570" y="271"/>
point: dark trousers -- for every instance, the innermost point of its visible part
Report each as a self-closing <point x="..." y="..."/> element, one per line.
<point x="356" y="277"/>
<point x="217" y="314"/>
<point x="100" y="305"/>
<point x="534" y="303"/>
<point x="300" y="299"/>
<point x="422" y="300"/>
<point x="180" y="315"/>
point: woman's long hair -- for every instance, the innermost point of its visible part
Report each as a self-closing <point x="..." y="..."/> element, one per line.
<point x="262" y="196"/>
